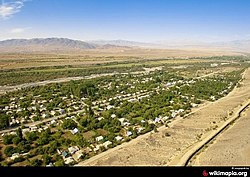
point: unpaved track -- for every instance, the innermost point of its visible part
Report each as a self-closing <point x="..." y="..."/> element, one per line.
<point x="156" y="149"/>
<point x="185" y="159"/>
<point x="232" y="147"/>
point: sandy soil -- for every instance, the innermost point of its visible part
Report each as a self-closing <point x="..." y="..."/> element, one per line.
<point x="155" y="149"/>
<point x="232" y="147"/>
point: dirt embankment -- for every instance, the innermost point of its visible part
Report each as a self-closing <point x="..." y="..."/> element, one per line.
<point x="232" y="147"/>
<point x="169" y="144"/>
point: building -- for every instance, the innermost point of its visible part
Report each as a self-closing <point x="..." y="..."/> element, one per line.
<point x="118" y="138"/>
<point x="74" y="131"/>
<point x="99" y="138"/>
<point x="106" y="144"/>
<point x="73" y="149"/>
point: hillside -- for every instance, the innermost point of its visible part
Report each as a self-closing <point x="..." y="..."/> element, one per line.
<point x="47" y="44"/>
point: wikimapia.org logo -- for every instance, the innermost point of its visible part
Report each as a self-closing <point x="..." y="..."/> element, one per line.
<point x="228" y="173"/>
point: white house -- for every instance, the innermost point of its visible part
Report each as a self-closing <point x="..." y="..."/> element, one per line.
<point x="106" y="144"/>
<point x="129" y="133"/>
<point x="99" y="138"/>
<point x="68" y="160"/>
<point x="78" y="155"/>
<point x="118" y="138"/>
<point x="73" y="149"/>
<point x="109" y="107"/>
<point x="14" y="156"/>
<point x="74" y="131"/>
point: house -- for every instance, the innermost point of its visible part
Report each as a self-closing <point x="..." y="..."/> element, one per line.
<point x="14" y="156"/>
<point x="52" y="122"/>
<point x="99" y="138"/>
<point x="129" y="133"/>
<point x="194" y="105"/>
<point x="109" y="107"/>
<point x="165" y="118"/>
<point x="78" y="155"/>
<point x="64" y="154"/>
<point x="132" y="100"/>
<point x="118" y="138"/>
<point x="68" y="160"/>
<point x="106" y="144"/>
<point x="126" y="123"/>
<point x="58" y="151"/>
<point x="33" y="128"/>
<point x="157" y="120"/>
<point x="25" y="130"/>
<point x="122" y="121"/>
<point x="96" y="148"/>
<point x="74" y="131"/>
<point x="73" y="149"/>
<point x="212" y="98"/>
<point x="214" y="65"/>
<point x="45" y="127"/>
<point x="140" y="129"/>
<point x="44" y="115"/>
<point x="87" y="150"/>
<point x="174" y="114"/>
<point x="52" y="112"/>
<point x="50" y="165"/>
<point x="100" y="118"/>
<point x="62" y="111"/>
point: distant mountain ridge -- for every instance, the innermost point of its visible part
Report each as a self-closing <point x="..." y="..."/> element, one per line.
<point x="55" y="44"/>
<point x="48" y="42"/>
<point x="70" y="45"/>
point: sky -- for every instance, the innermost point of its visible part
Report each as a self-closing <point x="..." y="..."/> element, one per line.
<point x="136" y="20"/>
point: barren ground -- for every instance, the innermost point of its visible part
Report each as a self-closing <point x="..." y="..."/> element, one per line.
<point x="232" y="147"/>
<point x="90" y="57"/>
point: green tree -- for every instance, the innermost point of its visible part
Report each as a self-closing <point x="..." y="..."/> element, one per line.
<point x="53" y="145"/>
<point x="9" y="150"/>
<point x="36" y="162"/>
<point x="31" y="136"/>
<point x="19" y="133"/>
<point x="7" y="139"/>
<point x="69" y="124"/>
<point x="46" y="159"/>
<point x="16" y="140"/>
<point x="43" y="138"/>
<point x="4" y="121"/>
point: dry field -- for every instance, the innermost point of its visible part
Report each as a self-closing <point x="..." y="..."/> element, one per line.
<point x="167" y="146"/>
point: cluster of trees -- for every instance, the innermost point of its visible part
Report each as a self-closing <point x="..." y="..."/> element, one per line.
<point x="15" y="77"/>
<point x="4" y="121"/>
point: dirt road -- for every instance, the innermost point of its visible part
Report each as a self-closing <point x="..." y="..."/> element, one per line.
<point x="231" y="148"/>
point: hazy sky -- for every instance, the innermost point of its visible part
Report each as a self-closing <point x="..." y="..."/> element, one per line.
<point x="137" y="20"/>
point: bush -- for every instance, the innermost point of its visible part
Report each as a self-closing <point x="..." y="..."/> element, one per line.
<point x="7" y="139"/>
<point x="9" y="150"/>
<point x="16" y="140"/>
<point x="69" y="124"/>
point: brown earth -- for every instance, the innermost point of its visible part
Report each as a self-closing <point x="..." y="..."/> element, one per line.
<point x="90" y="57"/>
<point x="231" y="148"/>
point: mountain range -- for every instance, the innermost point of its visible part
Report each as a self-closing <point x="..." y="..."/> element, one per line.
<point x="65" y="44"/>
